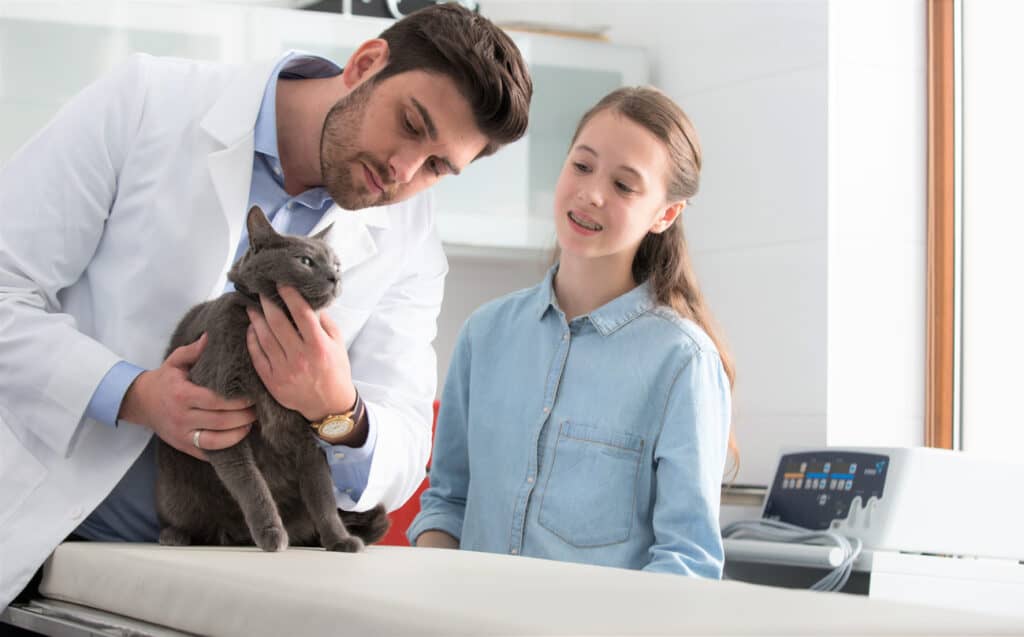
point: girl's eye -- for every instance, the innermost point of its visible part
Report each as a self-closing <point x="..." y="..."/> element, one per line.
<point x="623" y="187"/>
<point x="306" y="261"/>
<point x="581" y="167"/>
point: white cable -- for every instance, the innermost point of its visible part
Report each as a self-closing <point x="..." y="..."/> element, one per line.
<point x="775" y="531"/>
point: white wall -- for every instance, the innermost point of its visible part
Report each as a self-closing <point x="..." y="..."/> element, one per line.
<point x="808" y="230"/>
<point x="877" y="220"/>
<point x="993" y="341"/>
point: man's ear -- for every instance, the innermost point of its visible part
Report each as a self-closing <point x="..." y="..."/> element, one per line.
<point x="367" y="61"/>
<point x="667" y="217"/>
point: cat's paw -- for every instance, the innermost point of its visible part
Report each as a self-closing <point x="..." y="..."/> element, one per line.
<point x="370" y="525"/>
<point x="171" y="536"/>
<point x="350" y="544"/>
<point x="272" y="539"/>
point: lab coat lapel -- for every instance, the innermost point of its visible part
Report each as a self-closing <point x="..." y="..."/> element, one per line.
<point x="350" y="235"/>
<point x="231" y="172"/>
<point x="231" y="122"/>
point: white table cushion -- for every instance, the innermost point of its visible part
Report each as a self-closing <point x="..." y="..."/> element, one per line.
<point x="405" y="591"/>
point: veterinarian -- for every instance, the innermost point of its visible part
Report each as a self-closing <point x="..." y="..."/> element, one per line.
<point x="128" y="208"/>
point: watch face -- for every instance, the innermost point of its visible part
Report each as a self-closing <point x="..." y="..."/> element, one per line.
<point x="336" y="428"/>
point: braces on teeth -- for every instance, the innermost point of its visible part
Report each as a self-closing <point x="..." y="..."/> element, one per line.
<point x="588" y="225"/>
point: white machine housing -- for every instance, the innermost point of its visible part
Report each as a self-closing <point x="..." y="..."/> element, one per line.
<point x="918" y="499"/>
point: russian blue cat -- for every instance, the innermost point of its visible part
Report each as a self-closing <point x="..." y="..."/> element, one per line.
<point x="273" y="488"/>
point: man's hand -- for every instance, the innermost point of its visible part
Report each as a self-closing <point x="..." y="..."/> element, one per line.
<point x="165" y="401"/>
<point x="305" y="369"/>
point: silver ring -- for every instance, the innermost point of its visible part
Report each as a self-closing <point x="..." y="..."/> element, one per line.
<point x="195" y="438"/>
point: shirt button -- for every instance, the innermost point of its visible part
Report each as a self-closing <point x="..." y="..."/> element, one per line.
<point x="530" y="479"/>
<point x="348" y="491"/>
<point x="77" y="513"/>
<point x="547" y="410"/>
<point x="565" y="337"/>
<point x="339" y="456"/>
<point x="514" y="551"/>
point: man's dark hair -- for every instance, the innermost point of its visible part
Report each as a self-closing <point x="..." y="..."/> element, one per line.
<point x="480" y="58"/>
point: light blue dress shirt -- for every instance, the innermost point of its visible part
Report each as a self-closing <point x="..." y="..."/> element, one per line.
<point x="128" y="513"/>
<point x="600" y="440"/>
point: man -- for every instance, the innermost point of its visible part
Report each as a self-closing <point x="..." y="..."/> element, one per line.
<point x="129" y="208"/>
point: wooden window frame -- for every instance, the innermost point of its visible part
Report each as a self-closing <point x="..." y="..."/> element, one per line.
<point x="940" y="381"/>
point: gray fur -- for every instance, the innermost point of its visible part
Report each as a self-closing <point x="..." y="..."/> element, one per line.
<point x="274" y="487"/>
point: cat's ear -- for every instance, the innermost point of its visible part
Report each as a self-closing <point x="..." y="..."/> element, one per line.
<point x="323" y="233"/>
<point x="261" y="233"/>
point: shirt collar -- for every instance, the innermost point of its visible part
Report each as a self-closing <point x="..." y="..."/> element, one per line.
<point x="610" y="316"/>
<point x="546" y="294"/>
<point x="294" y="65"/>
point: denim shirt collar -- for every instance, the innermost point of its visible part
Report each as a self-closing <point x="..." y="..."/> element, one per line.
<point x="607" y="318"/>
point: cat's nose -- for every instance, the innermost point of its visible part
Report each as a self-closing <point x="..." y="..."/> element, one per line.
<point x="333" y="278"/>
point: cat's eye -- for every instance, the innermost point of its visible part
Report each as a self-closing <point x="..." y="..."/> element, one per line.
<point x="306" y="261"/>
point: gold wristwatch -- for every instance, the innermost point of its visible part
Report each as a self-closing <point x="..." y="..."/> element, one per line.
<point x="333" y="428"/>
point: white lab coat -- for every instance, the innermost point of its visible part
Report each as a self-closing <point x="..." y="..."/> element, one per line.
<point x="115" y="219"/>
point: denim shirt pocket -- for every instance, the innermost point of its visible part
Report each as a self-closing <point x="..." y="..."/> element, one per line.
<point x="590" y="495"/>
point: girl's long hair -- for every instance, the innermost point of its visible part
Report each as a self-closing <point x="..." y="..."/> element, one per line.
<point x="663" y="258"/>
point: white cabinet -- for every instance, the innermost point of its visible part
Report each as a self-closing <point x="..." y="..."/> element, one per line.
<point x="50" y="50"/>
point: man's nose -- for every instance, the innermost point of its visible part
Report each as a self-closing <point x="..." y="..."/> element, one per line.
<point x="405" y="164"/>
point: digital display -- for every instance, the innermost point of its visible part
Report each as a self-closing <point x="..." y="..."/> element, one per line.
<point x="811" y="489"/>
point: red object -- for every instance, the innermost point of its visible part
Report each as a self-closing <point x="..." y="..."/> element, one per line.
<point x="402" y="518"/>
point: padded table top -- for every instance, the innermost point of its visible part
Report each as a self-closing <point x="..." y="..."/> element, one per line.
<point x="390" y="590"/>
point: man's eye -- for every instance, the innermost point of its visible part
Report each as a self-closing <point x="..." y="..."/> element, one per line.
<point x="306" y="261"/>
<point x="409" y="127"/>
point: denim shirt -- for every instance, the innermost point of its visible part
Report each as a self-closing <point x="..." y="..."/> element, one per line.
<point x="600" y="440"/>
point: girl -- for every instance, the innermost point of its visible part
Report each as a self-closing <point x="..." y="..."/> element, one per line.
<point x="587" y="418"/>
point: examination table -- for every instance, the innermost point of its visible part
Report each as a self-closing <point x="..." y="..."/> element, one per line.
<point x="92" y="588"/>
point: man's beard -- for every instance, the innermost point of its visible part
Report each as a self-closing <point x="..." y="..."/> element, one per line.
<point x="339" y="155"/>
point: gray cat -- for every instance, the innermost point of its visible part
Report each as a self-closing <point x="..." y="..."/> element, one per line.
<point x="274" y="487"/>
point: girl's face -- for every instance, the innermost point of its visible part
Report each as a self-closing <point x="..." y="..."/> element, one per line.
<point x="612" y="189"/>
